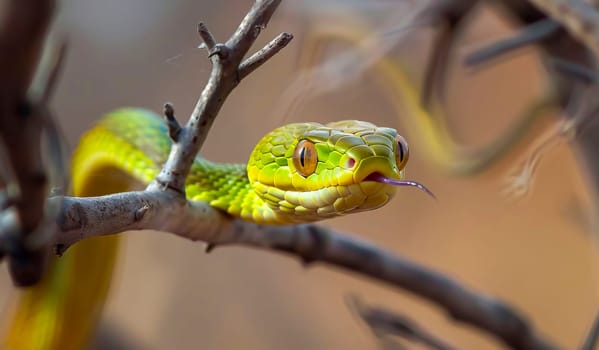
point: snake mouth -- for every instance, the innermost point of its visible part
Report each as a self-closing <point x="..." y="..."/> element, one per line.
<point x="378" y="177"/>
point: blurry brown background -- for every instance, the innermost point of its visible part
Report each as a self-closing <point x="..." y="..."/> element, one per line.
<point x="535" y="253"/>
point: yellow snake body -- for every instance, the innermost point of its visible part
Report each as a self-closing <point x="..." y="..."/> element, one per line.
<point x="297" y="173"/>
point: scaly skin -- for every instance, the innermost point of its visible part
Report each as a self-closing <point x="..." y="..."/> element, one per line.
<point x="132" y="144"/>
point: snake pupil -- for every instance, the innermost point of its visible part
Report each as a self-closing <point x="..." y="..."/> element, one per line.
<point x="400" y="148"/>
<point x="302" y="157"/>
<point x="403" y="153"/>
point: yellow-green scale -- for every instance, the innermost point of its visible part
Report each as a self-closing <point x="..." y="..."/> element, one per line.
<point x="136" y="141"/>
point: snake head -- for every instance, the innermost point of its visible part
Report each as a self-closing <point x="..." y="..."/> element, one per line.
<point x="309" y="171"/>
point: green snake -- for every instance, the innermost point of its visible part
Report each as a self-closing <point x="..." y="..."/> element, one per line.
<point x="297" y="173"/>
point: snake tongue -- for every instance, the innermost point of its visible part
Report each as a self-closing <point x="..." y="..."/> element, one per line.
<point x="378" y="177"/>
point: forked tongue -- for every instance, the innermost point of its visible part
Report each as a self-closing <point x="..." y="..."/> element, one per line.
<point x="378" y="177"/>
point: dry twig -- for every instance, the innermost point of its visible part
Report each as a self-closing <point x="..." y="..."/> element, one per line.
<point x="590" y="341"/>
<point x="383" y="322"/>
<point x="580" y="18"/>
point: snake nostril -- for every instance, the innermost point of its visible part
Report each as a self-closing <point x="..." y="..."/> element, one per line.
<point x="350" y="163"/>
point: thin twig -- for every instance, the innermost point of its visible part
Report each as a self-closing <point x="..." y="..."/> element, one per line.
<point x="206" y="36"/>
<point x="575" y="70"/>
<point x="578" y="17"/>
<point x="48" y="72"/>
<point x="264" y="54"/>
<point x="171" y="122"/>
<point x="383" y="322"/>
<point x="590" y="340"/>
<point x="449" y="16"/>
<point x="533" y="33"/>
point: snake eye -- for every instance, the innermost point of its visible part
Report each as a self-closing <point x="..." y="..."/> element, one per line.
<point x="305" y="158"/>
<point x="402" y="153"/>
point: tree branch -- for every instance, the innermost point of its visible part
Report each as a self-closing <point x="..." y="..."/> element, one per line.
<point x="580" y="18"/>
<point x="531" y="34"/>
<point x="224" y="77"/>
<point x="87" y="217"/>
<point x="383" y="322"/>
<point x="260" y="57"/>
<point x="23" y="28"/>
<point x="206" y="36"/>
<point x="590" y="341"/>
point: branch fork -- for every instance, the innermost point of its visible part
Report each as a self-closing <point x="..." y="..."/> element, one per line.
<point x="226" y="61"/>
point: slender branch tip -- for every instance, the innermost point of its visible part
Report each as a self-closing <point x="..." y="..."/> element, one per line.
<point x="264" y="54"/>
<point x="171" y="122"/>
<point x="206" y="36"/>
<point x="169" y="110"/>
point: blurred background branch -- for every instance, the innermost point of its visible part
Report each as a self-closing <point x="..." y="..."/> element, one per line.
<point x="23" y="117"/>
<point x="384" y="324"/>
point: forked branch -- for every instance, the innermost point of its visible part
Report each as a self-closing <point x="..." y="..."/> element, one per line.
<point x="227" y="72"/>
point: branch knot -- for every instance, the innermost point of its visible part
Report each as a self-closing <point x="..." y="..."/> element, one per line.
<point x="220" y="50"/>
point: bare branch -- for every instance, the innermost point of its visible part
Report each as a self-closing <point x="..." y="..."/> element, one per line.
<point x="580" y="18"/>
<point x="260" y="57"/>
<point x="575" y="70"/>
<point x="55" y="69"/>
<point x="171" y="122"/>
<point x="50" y="67"/>
<point x="590" y="340"/>
<point x="317" y="244"/>
<point x="448" y="16"/>
<point x="533" y="33"/>
<point x="206" y="36"/>
<point x="23" y="29"/>
<point x="384" y="322"/>
<point x="226" y="59"/>
<point x="86" y="217"/>
<point x="251" y="26"/>
<point x="166" y="211"/>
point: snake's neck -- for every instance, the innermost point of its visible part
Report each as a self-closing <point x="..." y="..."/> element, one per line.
<point x="226" y="187"/>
